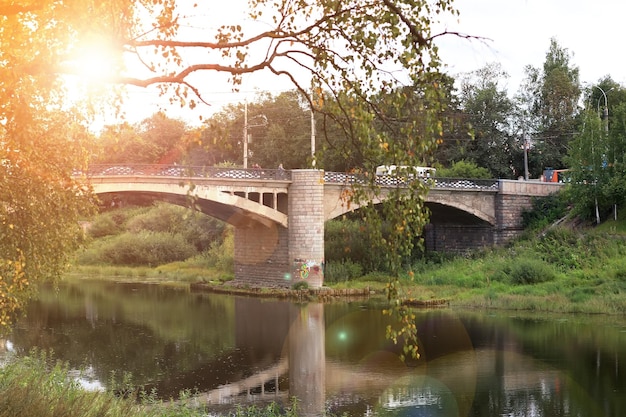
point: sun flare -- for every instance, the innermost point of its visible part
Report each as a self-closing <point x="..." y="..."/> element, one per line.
<point x="95" y="61"/>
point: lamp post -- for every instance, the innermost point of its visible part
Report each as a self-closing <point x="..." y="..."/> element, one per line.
<point x="605" y="115"/>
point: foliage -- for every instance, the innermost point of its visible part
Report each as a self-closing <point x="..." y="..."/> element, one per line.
<point x="156" y="140"/>
<point x="555" y="94"/>
<point x="43" y="138"/>
<point x="144" y="248"/>
<point x="544" y="211"/>
<point x="340" y="271"/>
<point x="596" y="155"/>
<point x="36" y="386"/>
<point x="158" y="235"/>
<point x="530" y="271"/>
<point x="488" y="110"/>
<point x="300" y="285"/>
<point x="348" y="240"/>
<point x="221" y="254"/>
<point x="464" y="169"/>
<point x="198" y="229"/>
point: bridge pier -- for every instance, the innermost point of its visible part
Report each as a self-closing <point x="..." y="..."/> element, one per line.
<point x="306" y="227"/>
<point x="277" y="256"/>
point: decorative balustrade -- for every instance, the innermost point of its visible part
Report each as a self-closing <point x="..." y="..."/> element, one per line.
<point x="395" y="181"/>
<point x="183" y="171"/>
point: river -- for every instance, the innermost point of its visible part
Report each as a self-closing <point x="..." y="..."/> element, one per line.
<point x="333" y="357"/>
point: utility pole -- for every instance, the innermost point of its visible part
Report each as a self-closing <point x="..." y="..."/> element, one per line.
<point x="246" y="126"/>
<point x="245" y="135"/>
<point x="312" y="132"/>
<point x="526" y="144"/>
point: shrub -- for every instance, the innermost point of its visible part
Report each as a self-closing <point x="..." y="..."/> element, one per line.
<point x="464" y="169"/>
<point x="160" y="218"/>
<point x="530" y="271"/>
<point x="349" y="240"/>
<point x="562" y="247"/>
<point x="345" y="270"/>
<point x="146" y="248"/>
<point x="221" y="254"/>
<point x="300" y="285"/>
<point x="103" y="226"/>
<point x="544" y="211"/>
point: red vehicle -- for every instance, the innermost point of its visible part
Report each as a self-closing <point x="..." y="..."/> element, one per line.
<point x="555" y="175"/>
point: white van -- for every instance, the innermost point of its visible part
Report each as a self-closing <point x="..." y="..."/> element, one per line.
<point x="422" y="172"/>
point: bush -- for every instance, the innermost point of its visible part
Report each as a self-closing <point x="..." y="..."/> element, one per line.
<point x="349" y="240"/>
<point x="300" y="285"/>
<point x="103" y="226"/>
<point x="544" y="211"/>
<point x="145" y="249"/>
<point x="530" y="271"/>
<point x="160" y="218"/>
<point x="464" y="169"/>
<point x="198" y="229"/>
<point x="221" y="254"/>
<point x="345" y="270"/>
<point x="563" y="248"/>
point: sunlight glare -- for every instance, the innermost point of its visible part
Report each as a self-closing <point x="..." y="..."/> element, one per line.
<point x="95" y="61"/>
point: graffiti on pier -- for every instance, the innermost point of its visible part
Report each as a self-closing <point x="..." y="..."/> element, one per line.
<point x="308" y="269"/>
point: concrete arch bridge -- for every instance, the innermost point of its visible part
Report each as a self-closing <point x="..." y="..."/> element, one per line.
<point x="278" y="216"/>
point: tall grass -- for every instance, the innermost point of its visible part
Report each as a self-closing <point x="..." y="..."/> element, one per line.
<point x="37" y="386"/>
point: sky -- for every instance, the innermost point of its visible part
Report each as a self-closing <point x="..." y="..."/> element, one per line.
<point x="516" y="33"/>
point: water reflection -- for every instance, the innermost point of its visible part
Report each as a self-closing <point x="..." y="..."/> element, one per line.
<point x="333" y="357"/>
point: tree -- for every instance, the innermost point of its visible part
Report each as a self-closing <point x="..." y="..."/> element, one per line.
<point x="488" y="109"/>
<point x="596" y="155"/>
<point x="42" y="141"/>
<point x="557" y="90"/>
<point x="278" y="131"/>
<point x="155" y="140"/>
<point x="352" y="50"/>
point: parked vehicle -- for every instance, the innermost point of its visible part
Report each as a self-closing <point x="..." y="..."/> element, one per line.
<point x="555" y="175"/>
<point x="422" y="172"/>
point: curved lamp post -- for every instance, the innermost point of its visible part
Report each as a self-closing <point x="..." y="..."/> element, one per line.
<point x="606" y="131"/>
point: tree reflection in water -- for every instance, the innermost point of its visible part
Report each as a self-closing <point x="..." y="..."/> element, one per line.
<point x="333" y="357"/>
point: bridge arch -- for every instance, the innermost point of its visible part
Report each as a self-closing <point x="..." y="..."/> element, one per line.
<point x="226" y="206"/>
<point x="479" y="204"/>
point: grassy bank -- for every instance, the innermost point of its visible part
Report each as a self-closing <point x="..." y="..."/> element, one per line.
<point x="36" y="386"/>
<point x="562" y="269"/>
<point x="567" y="268"/>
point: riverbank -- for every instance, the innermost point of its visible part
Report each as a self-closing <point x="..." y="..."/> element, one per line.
<point x="562" y="270"/>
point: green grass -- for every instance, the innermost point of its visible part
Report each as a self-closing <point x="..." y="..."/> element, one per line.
<point x="36" y="386"/>
<point x="562" y="270"/>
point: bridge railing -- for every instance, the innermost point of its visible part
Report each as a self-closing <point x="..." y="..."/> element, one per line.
<point x="395" y="181"/>
<point x="184" y="171"/>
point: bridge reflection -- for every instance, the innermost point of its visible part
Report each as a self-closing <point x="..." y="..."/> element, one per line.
<point x="446" y="380"/>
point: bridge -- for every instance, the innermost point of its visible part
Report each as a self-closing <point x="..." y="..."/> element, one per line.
<point x="278" y="215"/>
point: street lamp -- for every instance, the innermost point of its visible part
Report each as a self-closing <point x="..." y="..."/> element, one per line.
<point x="606" y="107"/>
<point x="606" y="131"/>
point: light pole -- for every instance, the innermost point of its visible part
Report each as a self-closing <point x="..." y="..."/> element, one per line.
<point x="606" y="107"/>
<point x="246" y="136"/>
<point x="606" y="132"/>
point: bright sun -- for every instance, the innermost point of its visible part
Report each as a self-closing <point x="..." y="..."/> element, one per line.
<point x="94" y="61"/>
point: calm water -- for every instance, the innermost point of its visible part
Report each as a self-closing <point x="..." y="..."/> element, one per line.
<point x="333" y="357"/>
